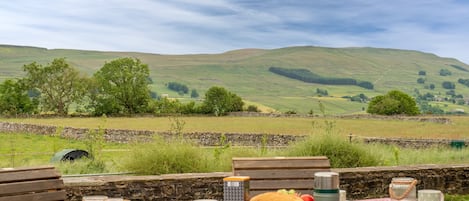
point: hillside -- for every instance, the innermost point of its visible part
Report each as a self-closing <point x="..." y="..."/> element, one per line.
<point x="246" y="72"/>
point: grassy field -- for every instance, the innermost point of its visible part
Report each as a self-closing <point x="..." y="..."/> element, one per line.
<point x="25" y="150"/>
<point x="245" y="72"/>
<point x="22" y="149"/>
<point x="457" y="129"/>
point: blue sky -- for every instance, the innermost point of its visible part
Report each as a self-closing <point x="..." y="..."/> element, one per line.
<point x="215" y="26"/>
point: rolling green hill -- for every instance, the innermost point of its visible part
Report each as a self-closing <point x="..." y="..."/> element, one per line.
<point x="246" y="73"/>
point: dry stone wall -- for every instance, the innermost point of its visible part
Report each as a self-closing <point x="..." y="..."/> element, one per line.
<point x="373" y="182"/>
<point x="360" y="183"/>
<point x="146" y="188"/>
<point x="208" y="138"/>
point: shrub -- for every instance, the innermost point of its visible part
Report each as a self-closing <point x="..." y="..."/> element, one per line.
<point x="445" y="72"/>
<point x="182" y="156"/>
<point x="448" y="85"/>
<point x="253" y="108"/>
<point x="421" y="80"/>
<point x="162" y="157"/>
<point x="341" y="153"/>
<point x="394" y="102"/>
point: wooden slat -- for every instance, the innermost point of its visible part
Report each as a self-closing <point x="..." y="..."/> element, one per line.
<point x="279" y="173"/>
<point x="20" y="169"/>
<point x="273" y="173"/>
<point x="17" y="176"/>
<point x="281" y="163"/>
<point x="44" y="196"/>
<point x="279" y="158"/>
<point x="281" y="184"/>
<point x="30" y="186"/>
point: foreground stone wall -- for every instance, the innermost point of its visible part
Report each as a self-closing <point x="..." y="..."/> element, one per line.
<point x="208" y="138"/>
<point x="373" y="182"/>
<point x="370" y="182"/>
<point x="161" y="188"/>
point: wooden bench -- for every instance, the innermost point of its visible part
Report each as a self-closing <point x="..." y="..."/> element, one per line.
<point x="274" y="173"/>
<point x="37" y="183"/>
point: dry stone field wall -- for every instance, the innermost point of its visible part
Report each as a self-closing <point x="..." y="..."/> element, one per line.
<point x="206" y="138"/>
<point x="360" y="183"/>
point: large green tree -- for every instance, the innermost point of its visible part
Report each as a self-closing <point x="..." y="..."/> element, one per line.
<point x="122" y="87"/>
<point x="58" y="83"/>
<point x="393" y="103"/>
<point x="14" y="99"/>
<point x="220" y="101"/>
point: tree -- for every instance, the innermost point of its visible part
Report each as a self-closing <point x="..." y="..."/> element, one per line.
<point x="422" y="72"/>
<point x="219" y="101"/>
<point x="14" y="99"/>
<point x="58" y="83"/>
<point x="194" y="93"/>
<point x="432" y="86"/>
<point x="445" y="72"/>
<point x="122" y="87"/>
<point x="421" y="80"/>
<point x="393" y="103"/>
<point x="448" y="85"/>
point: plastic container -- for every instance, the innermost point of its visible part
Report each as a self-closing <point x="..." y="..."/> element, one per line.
<point x="403" y="189"/>
<point x="430" y="195"/>
<point x="343" y="195"/>
<point x="95" y="198"/>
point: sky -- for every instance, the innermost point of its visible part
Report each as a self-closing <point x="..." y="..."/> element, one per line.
<point x="215" y="26"/>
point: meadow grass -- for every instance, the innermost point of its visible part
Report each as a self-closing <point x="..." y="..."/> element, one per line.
<point x="457" y="129"/>
<point x="180" y="156"/>
<point x="449" y="197"/>
<point x="31" y="149"/>
<point x="22" y="149"/>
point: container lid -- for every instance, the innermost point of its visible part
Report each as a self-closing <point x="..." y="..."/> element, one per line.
<point x="237" y="178"/>
<point x="326" y="180"/>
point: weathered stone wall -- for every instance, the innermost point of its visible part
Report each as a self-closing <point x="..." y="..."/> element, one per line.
<point x="162" y="188"/>
<point x="411" y="143"/>
<point x="436" y="119"/>
<point x="373" y="182"/>
<point x="208" y="138"/>
<point x="370" y="182"/>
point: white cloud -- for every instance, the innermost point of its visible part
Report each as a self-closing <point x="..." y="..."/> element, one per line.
<point x="209" y="26"/>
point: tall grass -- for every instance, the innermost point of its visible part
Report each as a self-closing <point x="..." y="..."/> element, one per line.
<point x="456" y="197"/>
<point x="408" y="156"/>
<point x="326" y="141"/>
<point x="182" y="156"/>
<point x="161" y="157"/>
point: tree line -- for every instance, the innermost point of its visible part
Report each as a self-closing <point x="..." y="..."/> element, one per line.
<point x="120" y="87"/>
<point x="307" y="76"/>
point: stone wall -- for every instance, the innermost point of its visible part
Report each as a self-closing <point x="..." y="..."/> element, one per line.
<point x="209" y="138"/>
<point x="161" y="188"/>
<point x="373" y="182"/>
<point x="370" y="182"/>
<point x="411" y="143"/>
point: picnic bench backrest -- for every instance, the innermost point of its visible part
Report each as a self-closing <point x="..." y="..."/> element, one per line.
<point x="274" y="173"/>
<point x="37" y="183"/>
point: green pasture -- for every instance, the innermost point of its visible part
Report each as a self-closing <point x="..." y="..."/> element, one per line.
<point x="369" y="127"/>
<point x="30" y="150"/>
<point x="23" y="149"/>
